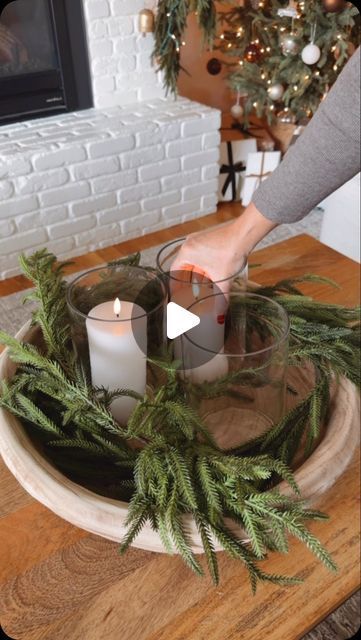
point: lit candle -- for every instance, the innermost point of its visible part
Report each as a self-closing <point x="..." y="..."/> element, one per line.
<point x="117" y="359"/>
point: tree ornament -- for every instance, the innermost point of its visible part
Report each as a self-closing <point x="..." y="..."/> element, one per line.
<point x="214" y="66"/>
<point x="333" y="6"/>
<point x="288" y="12"/>
<point x="237" y="109"/>
<point x="253" y="53"/>
<point x="146" y="21"/>
<point x="289" y="45"/>
<point x="286" y="117"/>
<point x="276" y="91"/>
<point x="311" y="53"/>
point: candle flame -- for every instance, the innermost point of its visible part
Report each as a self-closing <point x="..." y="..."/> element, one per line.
<point x="117" y="307"/>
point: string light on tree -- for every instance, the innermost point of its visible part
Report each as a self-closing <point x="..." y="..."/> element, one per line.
<point x="275" y="91"/>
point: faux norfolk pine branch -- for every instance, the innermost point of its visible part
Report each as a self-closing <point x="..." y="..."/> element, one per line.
<point x="164" y="462"/>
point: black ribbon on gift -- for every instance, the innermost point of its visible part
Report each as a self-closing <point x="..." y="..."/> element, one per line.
<point x="231" y="169"/>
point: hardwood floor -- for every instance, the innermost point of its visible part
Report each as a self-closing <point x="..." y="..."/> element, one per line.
<point x="225" y="212"/>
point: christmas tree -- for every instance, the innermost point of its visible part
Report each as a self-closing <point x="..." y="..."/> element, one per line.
<point x="283" y="58"/>
<point x="282" y="55"/>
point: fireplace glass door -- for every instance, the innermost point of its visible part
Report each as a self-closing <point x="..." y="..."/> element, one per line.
<point x="27" y="42"/>
<point x="44" y="65"/>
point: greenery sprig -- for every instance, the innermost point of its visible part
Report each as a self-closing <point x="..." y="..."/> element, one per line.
<point x="164" y="462"/>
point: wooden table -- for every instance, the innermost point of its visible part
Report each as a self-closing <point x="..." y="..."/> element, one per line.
<point x="60" y="583"/>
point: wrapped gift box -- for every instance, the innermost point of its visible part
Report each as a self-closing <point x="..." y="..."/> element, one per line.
<point x="233" y="158"/>
<point x="259" y="167"/>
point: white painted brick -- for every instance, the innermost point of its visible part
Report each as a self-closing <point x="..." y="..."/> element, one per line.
<point x="43" y="217"/>
<point x="152" y="171"/>
<point x="126" y="7"/>
<point x="93" y="205"/>
<point x="103" y="84"/>
<point x="121" y="27"/>
<point x="15" y="167"/>
<point x="201" y="125"/>
<point x="142" y="156"/>
<point x="169" y="183"/>
<point x="65" y="194"/>
<point x="104" y="67"/>
<point x="97" y="28"/>
<point x="101" y="48"/>
<point x="95" y="168"/>
<point x="16" y="206"/>
<point x="91" y="238"/>
<point x="202" y="189"/>
<point x="139" y="192"/>
<point x="177" y="210"/>
<point x="114" y="182"/>
<point x="61" y="248"/>
<point x="71" y="227"/>
<point x="200" y="159"/>
<point x="179" y="148"/>
<point x="9" y="265"/>
<point x="210" y="201"/>
<point x="21" y="241"/>
<point x="139" y="223"/>
<point x="7" y="228"/>
<point x="59" y="158"/>
<point x="150" y="92"/>
<point x="211" y="140"/>
<point x="128" y="43"/>
<point x="97" y="9"/>
<point x="161" y="201"/>
<point x="210" y="171"/>
<point x="114" y="98"/>
<point x="158" y="134"/>
<point x="36" y="182"/>
<point x="6" y="189"/>
<point x="118" y="213"/>
<point x="109" y="147"/>
<point x="127" y="64"/>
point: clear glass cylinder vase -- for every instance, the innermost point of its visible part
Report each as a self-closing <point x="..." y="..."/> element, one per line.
<point x="239" y="387"/>
<point x="117" y="316"/>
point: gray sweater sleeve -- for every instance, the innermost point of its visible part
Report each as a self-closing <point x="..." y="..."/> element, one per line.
<point x="326" y="155"/>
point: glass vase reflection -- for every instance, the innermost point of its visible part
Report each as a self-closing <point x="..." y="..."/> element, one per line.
<point x="188" y="286"/>
<point x="238" y="385"/>
<point x="117" y="316"/>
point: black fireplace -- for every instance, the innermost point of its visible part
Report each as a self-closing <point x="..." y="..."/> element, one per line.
<point x="44" y="65"/>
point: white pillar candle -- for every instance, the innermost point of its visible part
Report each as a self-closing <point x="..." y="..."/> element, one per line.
<point x="209" y="334"/>
<point x="117" y="360"/>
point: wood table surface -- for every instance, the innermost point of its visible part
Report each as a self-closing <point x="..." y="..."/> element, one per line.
<point x="61" y="583"/>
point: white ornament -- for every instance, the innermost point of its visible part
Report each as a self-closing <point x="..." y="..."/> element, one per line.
<point x="275" y="91"/>
<point x="288" y="12"/>
<point x="311" y="53"/>
<point x="237" y="111"/>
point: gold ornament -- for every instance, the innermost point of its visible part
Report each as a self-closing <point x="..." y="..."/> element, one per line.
<point x="146" y="21"/>
<point x="350" y="50"/>
<point x="333" y="6"/>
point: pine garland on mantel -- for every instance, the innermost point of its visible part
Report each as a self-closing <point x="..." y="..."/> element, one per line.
<point x="179" y="468"/>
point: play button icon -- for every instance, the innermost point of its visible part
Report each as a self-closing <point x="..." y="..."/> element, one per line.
<point x="179" y="320"/>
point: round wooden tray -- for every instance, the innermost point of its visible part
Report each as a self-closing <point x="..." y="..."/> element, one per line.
<point x="106" y="517"/>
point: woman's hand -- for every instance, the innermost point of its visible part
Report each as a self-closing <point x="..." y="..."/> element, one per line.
<point x="221" y="253"/>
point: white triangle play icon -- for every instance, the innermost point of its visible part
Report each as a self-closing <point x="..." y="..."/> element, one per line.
<point x="179" y="320"/>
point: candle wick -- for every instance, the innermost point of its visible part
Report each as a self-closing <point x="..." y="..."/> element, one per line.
<point x="117" y="315"/>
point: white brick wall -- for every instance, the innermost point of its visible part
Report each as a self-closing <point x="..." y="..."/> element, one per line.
<point x="86" y="180"/>
<point x="120" y="62"/>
